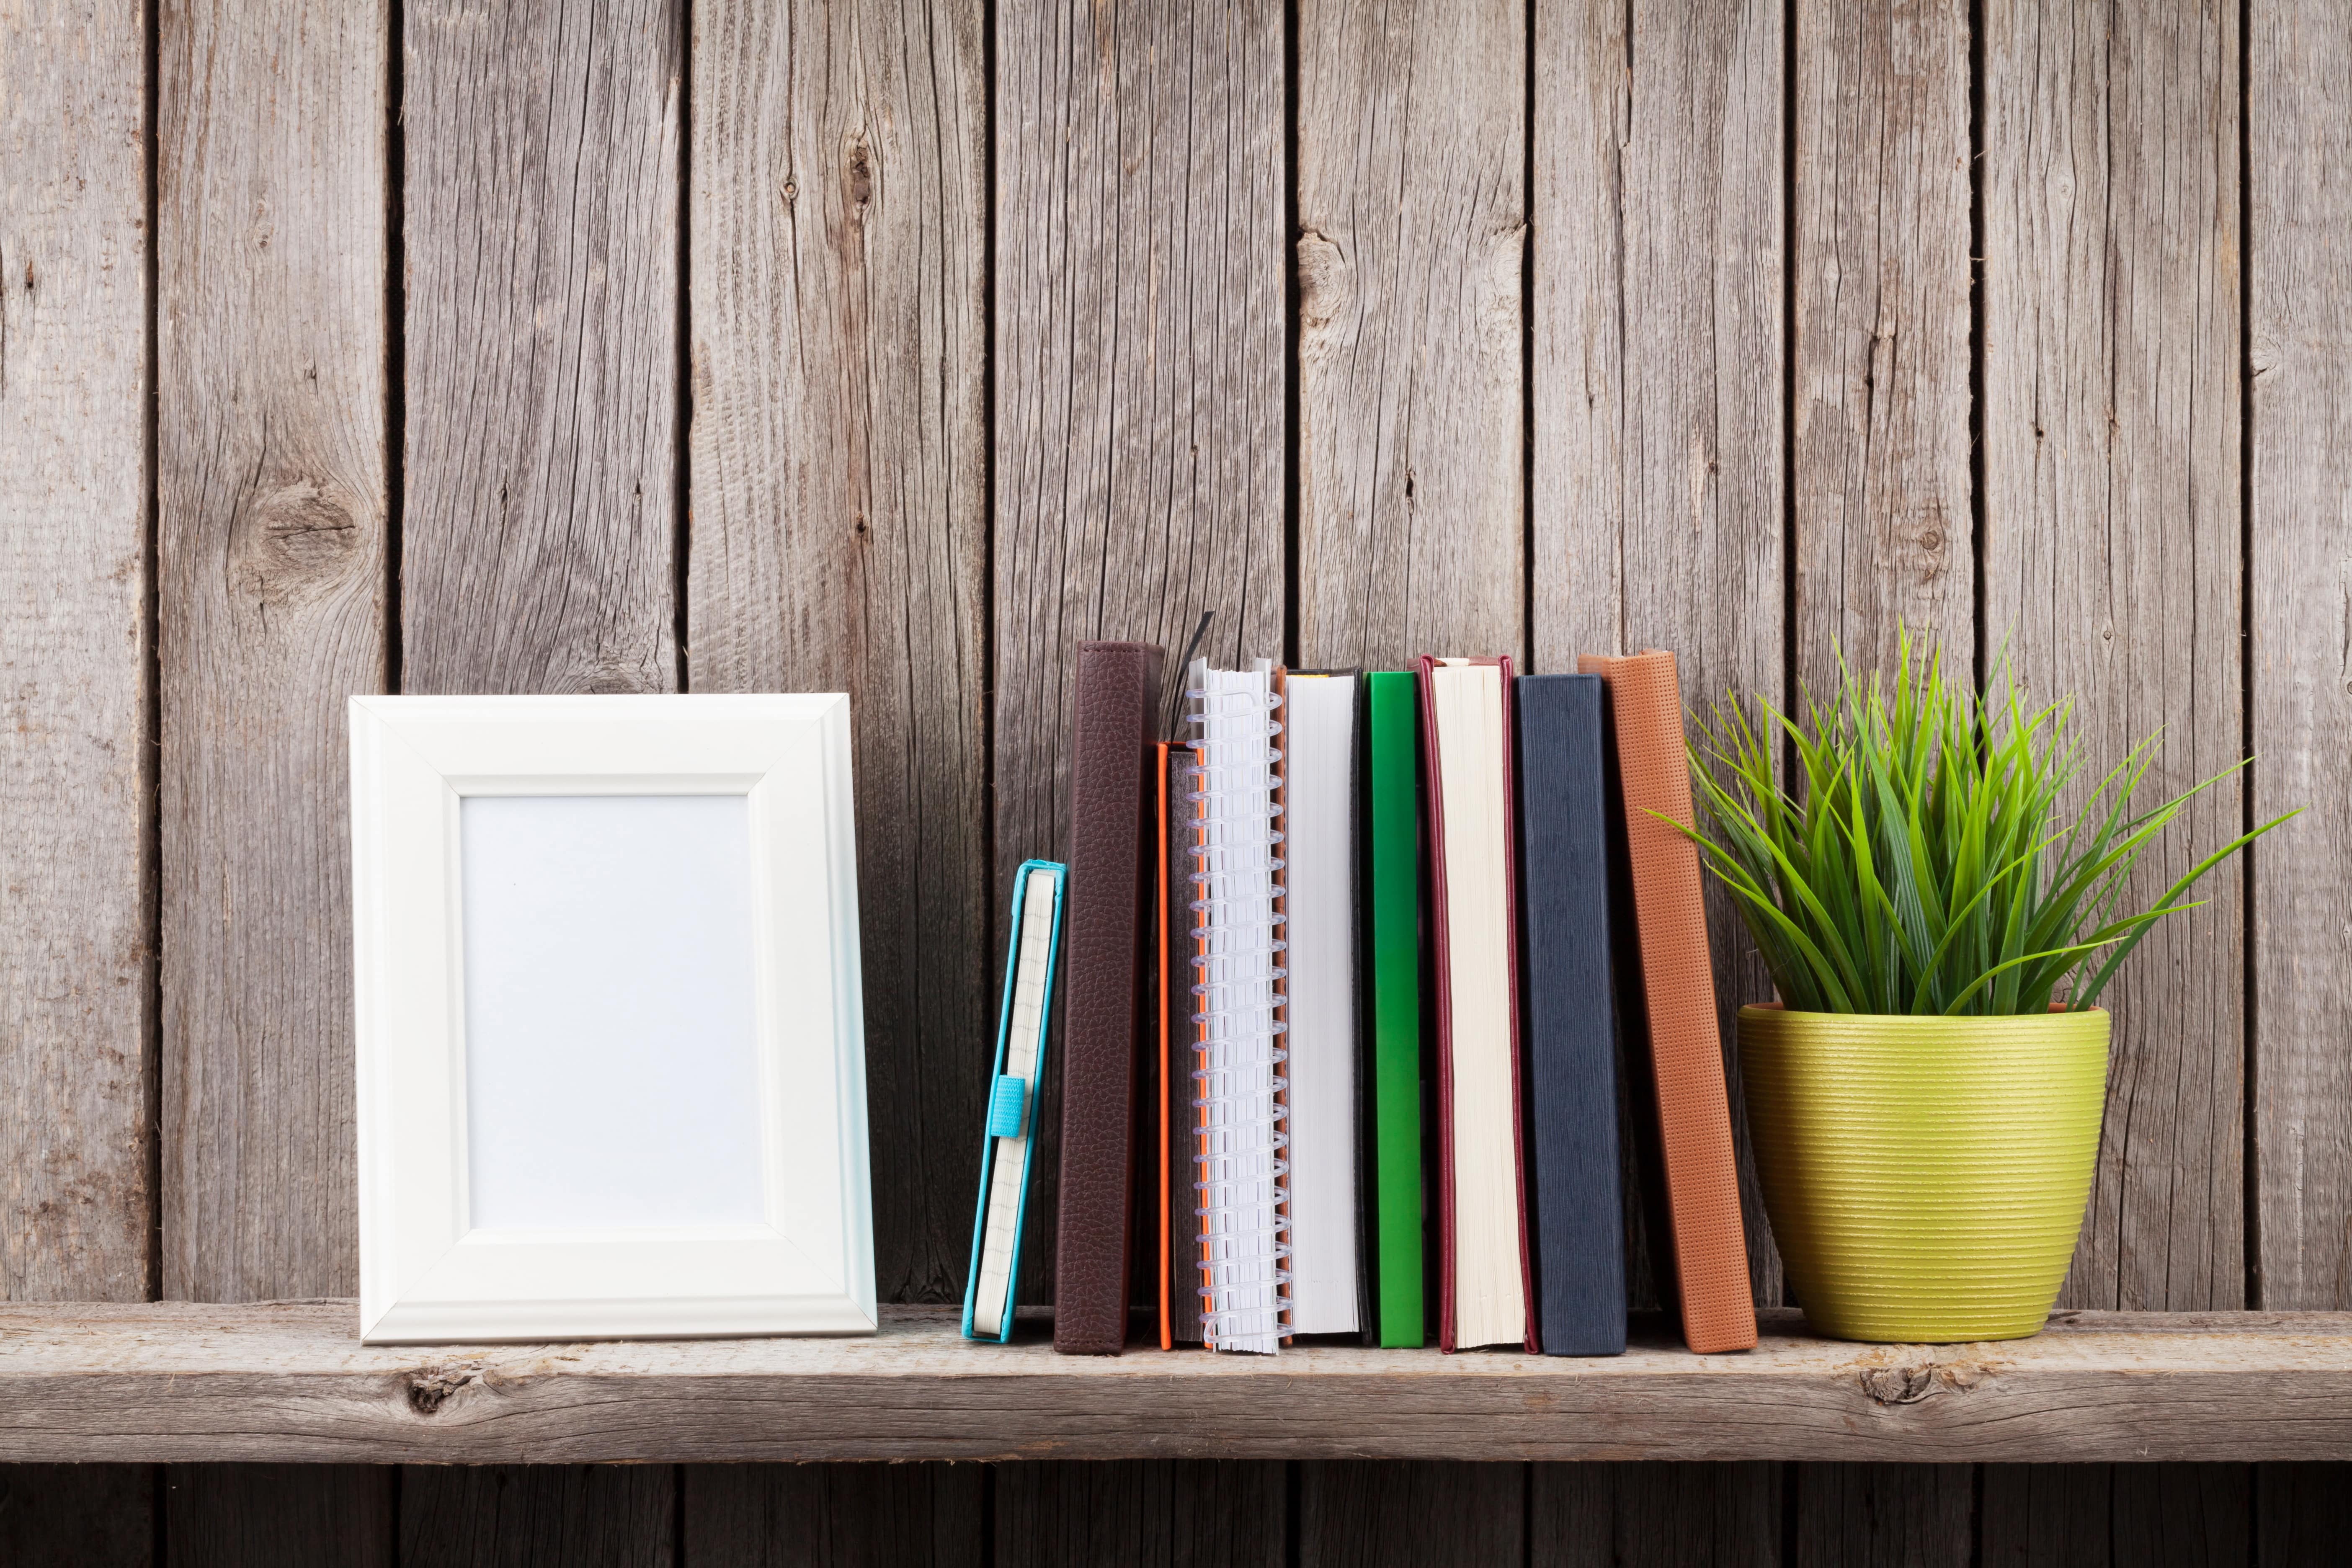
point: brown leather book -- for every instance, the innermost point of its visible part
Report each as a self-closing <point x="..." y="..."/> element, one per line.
<point x="1106" y="1019"/>
<point x="1677" y="984"/>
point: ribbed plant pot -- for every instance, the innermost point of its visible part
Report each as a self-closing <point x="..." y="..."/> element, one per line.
<point x="1926" y="1176"/>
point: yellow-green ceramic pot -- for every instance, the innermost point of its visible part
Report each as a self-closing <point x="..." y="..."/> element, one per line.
<point x="1926" y="1176"/>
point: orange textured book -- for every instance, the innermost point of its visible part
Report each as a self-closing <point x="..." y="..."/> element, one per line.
<point x="1702" y="1180"/>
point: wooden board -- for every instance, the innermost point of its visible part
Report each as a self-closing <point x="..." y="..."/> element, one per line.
<point x="78" y="1516"/>
<point x="76" y="1014"/>
<point x="1360" y="1515"/>
<point x="2112" y="559"/>
<point x="2299" y="126"/>
<point x="2302" y="1514"/>
<point x="278" y="1516"/>
<point x="838" y="458"/>
<point x="1884" y="534"/>
<point x="1190" y="1512"/>
<point x="541" y="336"/>
<point x="270" y="254"/>
<point x="835" y="1516"/>
<point x="2065" y="1514"/>
<point x="583" y="1516"/>
<point x="172" y="1381"/>
<point x="1411" y="246"/>
<point x="1681" y="545"/>
<point x="1139" y="380"/>
<point x="1635" y="1516"/>
<point x="541" y="258"/>
<point x="1884" y="1516"/>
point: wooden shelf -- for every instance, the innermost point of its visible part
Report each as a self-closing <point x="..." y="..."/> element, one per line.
<point x="288" y="1381"/>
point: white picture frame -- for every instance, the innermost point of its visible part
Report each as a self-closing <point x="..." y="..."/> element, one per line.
<point x="745" y="1135"/>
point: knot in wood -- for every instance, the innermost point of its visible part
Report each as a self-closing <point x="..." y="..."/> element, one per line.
<point x="1910" y="1384"/>
<point x="297" y="539"/>
<point x="431" y="1387"/>
<point x="1322" y="277"/>
<point x="1898" y="1384"/>
<point x="861" y="173"/>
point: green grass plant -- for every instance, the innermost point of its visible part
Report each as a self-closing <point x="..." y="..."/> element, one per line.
<point x="1919" y="862"/>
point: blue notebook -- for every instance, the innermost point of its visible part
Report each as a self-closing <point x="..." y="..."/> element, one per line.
<point x="1033" y="944"/>
<point x="1569" y="1020"/>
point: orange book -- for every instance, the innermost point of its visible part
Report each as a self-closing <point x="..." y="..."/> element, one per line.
<point x="1677" y="987"/>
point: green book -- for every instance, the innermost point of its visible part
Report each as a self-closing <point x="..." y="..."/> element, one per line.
<point x="1392" y="897"/>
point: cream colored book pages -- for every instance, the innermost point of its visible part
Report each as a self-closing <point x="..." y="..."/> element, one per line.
<point x="1489" y="1301"/>
<point x="1320" y="936"/>
<point x="1025" y="1032"/>
<point x="1242" y="1167"/>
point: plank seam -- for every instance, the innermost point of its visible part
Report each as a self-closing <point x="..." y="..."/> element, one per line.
<point x="682" y="414"/>
<point x="2250" y="1178"/>
<point x="1527" y="249"/>
<point x="1976" y="502"/>
<point x="395" y="339"/>
<point x="150" y="756"/>
<point x="1293" y="337"/>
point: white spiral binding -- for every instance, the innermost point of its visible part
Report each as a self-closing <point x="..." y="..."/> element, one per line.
<point x="1245" y="1296"/>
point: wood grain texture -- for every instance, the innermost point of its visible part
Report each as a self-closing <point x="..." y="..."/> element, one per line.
<point x="78" y="1516"/>
<point x="278" y="1516"/>
<point x="271" y="481"/>
<point x="516" y="1516"/>
<point x="1581" y="127"/>
<point x="76" y="1018"/>
<point x="1194" y="1514"/>
<point x="835" y="1516"/>
<point x="1359" y="1515"/>
<point x="1413" y="237"/>
<point x="541" y="249"/>
<point x="2299" y="129"/>
<point x="1673" y="1516"/>
<point x="1884" y="1516"/>
<point x="541" y="203"/>
<point x="838" y="461"/>
<point x="1883" y="530"/>
<point x="1139" y="361"/>
<point x="1681" y="547"/>
<point x="2044" y="1516"/>
<point x="287" y="1381"/>
<point x="2302" y="1514"/>
<point x="2112" y="558"/>
<point x="1884" y="534"/>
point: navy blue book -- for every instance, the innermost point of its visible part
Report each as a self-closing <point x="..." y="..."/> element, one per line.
<point x="1568" y="1024"/>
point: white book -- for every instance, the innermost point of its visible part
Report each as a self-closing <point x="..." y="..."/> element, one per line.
<point x="1319" y="932"/>
<point x="1244" y="1286"/>
<point x="1473" y="834"/>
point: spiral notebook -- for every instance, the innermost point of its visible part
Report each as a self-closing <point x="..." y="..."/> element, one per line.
<point x="1239" y="1104"/>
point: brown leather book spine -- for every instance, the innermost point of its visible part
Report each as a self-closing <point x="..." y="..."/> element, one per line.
<point x="1679" y="987"/>
<point x="1106" y="1020"/>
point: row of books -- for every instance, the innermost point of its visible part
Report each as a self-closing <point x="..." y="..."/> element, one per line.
<point x="1349" y="956"/>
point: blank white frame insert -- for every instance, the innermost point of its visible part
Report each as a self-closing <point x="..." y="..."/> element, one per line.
<point x="611" y="1036"/>
<point x="610" y="1044"/>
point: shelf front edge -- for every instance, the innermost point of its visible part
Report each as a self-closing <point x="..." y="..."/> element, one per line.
<point x="289" y="1381"/>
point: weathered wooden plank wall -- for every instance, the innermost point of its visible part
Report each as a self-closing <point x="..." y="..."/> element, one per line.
<point x="633" y="344"/>
<point x="2299" y="658"/>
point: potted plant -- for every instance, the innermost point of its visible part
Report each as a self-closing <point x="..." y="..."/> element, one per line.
<point x="1924" y="1097"/>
